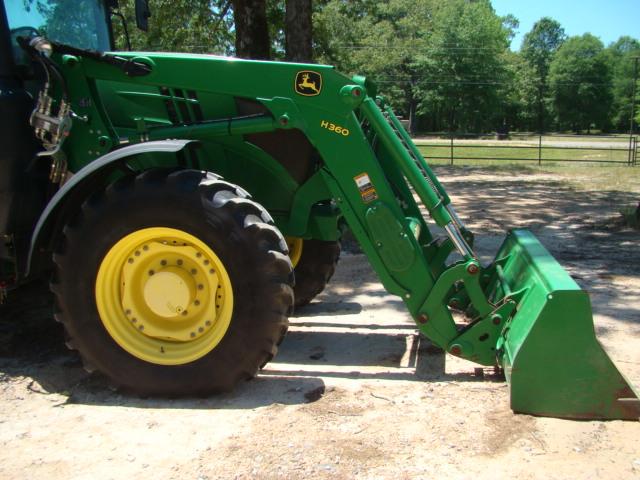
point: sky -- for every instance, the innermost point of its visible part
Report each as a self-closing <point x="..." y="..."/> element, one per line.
<point x="606" y="19"/>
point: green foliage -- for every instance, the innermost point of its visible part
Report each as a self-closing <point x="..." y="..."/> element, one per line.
<point x="377" y="39"/>
<point x="520" y="93"/>
<point x="443" y="64"/>
<point x="465" y="68"/>
<point x="538" y="49"/>
<point x="74" y="22"/>
<point x="541" y="43"/>
<point x="621" y="55"/>
<point x="441" y="60"/>
<point x="581" y="84"/>
<point x="200" y="26"/>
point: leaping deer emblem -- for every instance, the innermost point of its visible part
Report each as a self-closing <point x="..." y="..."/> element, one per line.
<point x="308" y="84"/>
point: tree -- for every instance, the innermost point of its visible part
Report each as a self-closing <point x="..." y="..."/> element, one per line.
<point x="199" y="26"/>
<point x="298" y="31"/>
<point x="465" y="68"/>
<point x="518" y="92"/>
<point x="580" y="83"/>
<point x="538" y="49"/>
<point x="380" y="40"/>
<point x="621" y="54"/>
<point x="439" y="63"/>
<point x="252" y="31"/>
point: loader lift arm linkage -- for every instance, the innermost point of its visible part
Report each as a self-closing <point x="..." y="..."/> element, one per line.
<point x="528" y="315"/>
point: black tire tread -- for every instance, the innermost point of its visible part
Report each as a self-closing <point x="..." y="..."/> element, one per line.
<point x="231" y="207"/>
<point x="314" y="269"/>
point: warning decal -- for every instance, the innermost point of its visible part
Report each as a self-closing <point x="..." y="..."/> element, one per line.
<point x="367" y="192"/>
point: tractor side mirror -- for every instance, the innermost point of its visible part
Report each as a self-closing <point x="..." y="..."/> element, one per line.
<point x="142" y="14"/>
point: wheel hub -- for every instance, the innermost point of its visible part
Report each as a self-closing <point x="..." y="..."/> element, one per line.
<point x="164" y="295"/>
<point x="169" y="292"/>
<point x="167" y="289"/>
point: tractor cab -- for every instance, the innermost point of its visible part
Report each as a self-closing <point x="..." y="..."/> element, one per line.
<point x="25" y="185"/>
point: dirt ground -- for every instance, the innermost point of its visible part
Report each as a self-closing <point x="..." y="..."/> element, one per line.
<point x="353" y="393"/>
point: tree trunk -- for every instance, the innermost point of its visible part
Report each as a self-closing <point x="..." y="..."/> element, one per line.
<point x="298" y="31"/>
<point x="252" y="33"/>
<point x="541" y="108"/>
<point x="413" y="121"/>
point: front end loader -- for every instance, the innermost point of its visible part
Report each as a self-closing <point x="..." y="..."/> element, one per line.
<point x="176" y="179"/>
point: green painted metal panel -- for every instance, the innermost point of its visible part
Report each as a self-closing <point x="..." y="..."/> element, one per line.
<point x="527" y="313"/>
<point x="552" y="359"/>
<point x="395" y="247"/>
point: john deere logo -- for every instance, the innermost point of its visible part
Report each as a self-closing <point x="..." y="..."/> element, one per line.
<point x="308" y="83"/>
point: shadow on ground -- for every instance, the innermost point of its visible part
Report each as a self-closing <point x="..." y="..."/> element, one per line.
<point x="582" y="229"/>
<point x="32" y="350"/>
<point x="576" y="226"/>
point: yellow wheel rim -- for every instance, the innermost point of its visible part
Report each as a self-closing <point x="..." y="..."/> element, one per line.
<point x="164" y="296"/>
<point x="295" y="249"/>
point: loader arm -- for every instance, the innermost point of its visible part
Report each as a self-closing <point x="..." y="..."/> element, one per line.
<point x="528" y="315"/>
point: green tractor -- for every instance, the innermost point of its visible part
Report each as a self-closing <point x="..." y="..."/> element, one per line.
<point x="184" y="204"/>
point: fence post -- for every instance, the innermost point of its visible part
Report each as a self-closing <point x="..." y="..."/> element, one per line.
<point x="540" y="149"/>
<point x="452" y="149"/>
<point x="630" y="156"/>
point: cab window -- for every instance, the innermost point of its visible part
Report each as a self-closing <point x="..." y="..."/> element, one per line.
<point x="81" y="23"/>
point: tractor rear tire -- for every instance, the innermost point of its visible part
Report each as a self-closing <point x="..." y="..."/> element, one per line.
<point x="173" y="283"/>
<point x="314" y="268"/>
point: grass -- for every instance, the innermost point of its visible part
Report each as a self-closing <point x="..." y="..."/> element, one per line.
<point x="479" y="152"/>
<point x="598" y="177"/>
<point x="578" y="170"/>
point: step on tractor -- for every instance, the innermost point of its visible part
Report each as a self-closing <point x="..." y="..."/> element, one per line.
<point x="182" y="205"/>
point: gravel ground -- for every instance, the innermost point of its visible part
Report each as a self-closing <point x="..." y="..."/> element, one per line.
<point x="354" y="391"/>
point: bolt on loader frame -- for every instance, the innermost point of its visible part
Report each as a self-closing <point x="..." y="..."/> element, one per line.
<point x="315" y="148"/>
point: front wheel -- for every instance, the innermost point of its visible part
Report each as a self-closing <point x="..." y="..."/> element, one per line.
<point x="314" y="263"/>
<point x="173" y="283"/>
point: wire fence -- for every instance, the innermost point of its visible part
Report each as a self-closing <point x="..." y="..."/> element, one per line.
<point x="529" y="147"/>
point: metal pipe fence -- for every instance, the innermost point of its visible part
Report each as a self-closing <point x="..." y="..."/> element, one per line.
<point x="614" y="149"/>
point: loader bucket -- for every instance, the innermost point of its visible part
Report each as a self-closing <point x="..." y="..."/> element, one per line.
<point x="555" y="365"/>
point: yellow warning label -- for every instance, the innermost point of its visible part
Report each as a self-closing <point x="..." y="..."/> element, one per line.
<point x="367" y="191"/>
